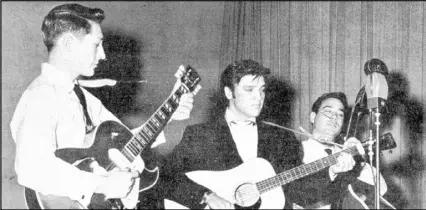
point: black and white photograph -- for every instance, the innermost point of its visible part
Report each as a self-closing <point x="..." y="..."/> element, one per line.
<point x="213" y="104"/>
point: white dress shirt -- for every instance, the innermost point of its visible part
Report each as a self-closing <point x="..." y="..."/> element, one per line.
<point x="244" y="134"/>
<point x="49" y="117"/>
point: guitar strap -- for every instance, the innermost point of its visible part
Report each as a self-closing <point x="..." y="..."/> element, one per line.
<point x="82" y="99"/>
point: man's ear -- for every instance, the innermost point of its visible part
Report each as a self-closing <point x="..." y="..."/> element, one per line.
<point x="312" y="117"/>
<point x="67" y="41"/>
<point x="228" y="93"/>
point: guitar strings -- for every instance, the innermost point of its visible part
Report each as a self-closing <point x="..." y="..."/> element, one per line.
<point x="127" y="151"/>
<point x="246" y="192"/>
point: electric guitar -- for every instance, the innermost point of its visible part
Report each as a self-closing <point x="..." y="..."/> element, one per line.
<point x="254" y="184"/>
<point x="113" y="135"/>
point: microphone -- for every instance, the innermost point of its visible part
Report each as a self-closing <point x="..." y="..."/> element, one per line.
<point x="376" y="86"/>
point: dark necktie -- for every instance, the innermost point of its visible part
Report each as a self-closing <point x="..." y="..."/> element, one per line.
<point x="80" y="95"/>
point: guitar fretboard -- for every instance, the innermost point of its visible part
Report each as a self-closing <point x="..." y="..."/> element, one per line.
<point x="150" y="130"/>
<point x="301" y="171"/>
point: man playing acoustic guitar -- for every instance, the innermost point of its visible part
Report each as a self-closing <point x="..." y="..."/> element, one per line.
<point x="208" y="160"/>
<point x="54" y="113"/>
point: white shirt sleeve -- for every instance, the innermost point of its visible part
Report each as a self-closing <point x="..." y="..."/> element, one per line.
<point x="160" y="140"/>
<point x="36" y="165"/>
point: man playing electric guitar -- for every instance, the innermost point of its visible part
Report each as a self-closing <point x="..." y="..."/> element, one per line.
<point x="55" y="113"/>
<point x="235" y="138"/>
<point x="327" y="118"/>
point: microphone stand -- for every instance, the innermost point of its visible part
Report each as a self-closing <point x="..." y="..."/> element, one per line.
<point x="370" y="142"/>
<point x="377" y="114"/>
<point x="377" y="155"/>
<point x="375" y="104"/>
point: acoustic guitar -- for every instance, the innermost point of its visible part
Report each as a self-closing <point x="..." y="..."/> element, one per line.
<point x="113" y="135"/>
<point x="255" y="185"/>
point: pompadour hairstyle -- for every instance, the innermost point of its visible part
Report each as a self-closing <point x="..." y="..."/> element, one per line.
<point x="235" y="71"/>
<point x="69" y="18"/>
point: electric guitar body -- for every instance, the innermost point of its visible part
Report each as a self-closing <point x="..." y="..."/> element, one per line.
<point x="108" y="135"/>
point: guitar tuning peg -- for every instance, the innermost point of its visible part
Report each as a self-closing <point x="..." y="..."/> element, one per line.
<point x="180" y="71"/>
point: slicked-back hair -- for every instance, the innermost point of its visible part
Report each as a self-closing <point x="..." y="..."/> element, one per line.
<point x="235" y="71"/>
<point x="69" y="18"/>
<point x="337" y="95"/>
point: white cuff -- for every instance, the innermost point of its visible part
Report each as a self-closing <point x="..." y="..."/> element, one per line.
<point x="331" y="174"/>
<point x="86" y="194"/>
<point x="160" y="140"/>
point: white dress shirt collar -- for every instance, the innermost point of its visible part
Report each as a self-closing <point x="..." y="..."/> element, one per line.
<point x="232" y="119"/>
<point x="244" y="133"/>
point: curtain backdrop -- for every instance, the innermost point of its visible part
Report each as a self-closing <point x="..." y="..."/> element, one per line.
<point x="319" y="47"/>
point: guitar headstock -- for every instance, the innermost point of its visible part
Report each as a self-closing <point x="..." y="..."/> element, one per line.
<point x="190" y="78"/>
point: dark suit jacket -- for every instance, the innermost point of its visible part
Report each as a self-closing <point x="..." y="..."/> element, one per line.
<point x="210" y="146"/>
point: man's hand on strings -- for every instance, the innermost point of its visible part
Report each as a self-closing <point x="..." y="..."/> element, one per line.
<point x="345" y="161"/>
<point x="186" y="100"/>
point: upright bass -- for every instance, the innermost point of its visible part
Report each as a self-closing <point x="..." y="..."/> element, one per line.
<point x="356" y="194"/>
